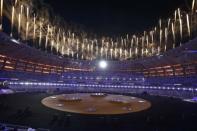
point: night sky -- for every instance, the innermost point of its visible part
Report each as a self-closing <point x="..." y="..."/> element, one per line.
<point x="118" y="17"/>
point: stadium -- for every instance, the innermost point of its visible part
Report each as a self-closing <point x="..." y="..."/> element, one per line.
<point x="55" y="77"/>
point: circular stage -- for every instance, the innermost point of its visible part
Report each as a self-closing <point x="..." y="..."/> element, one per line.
<point x="96" y="103"/>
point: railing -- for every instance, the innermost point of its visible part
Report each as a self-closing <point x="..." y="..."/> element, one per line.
<point x="171" y="91"/>
<point x="11" y="64"/>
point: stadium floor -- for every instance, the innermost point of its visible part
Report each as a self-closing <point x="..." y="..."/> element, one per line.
<point x="93" y="104"/>
<point x="166" y="114"/>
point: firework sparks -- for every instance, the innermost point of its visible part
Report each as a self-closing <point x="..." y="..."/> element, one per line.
<point x="180" y="23"/>
<point x="1" y="19"/>
<point x="188" y="25"/>
<point x="19" y="24"/>
<point x="27" y="24"/>
<point x="12" y="21"/>
<point x="173" y="33"/>
<point x="193" y="5"/>
<point x="40" y="36"/>
<point x="166" y="38"/>
<point x="34" y="28"/>
<point x="49" y="34"/>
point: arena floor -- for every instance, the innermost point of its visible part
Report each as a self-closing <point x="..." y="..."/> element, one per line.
<point x="96" y="103"/>
<point x="165" y="114"/>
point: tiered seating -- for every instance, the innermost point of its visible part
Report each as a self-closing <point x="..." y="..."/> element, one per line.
<point x="12" y="127"/>
<point x="189" y="81"/>
<point x="100" y="81"/>
<point x="27" y="76"/>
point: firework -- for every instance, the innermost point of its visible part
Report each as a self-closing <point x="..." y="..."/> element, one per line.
<point x="120" y="53"/>
<point x="173" y="33"/>
<point x="40" y="29"/>
<point x="58" y="41"/>
<point x="12" y="21"/>
<point x="147" y="44"/>
<point x="16" y="1"/>
<point x="40" y="36"/>
<point x="169" y="20"/>
<point x="34" y="28"/>
<point x="193" y="5"/>
<point x="188" y="25"/>
<point x="166" y="38"/>
<point x="136" y="51"/>
<point x="175" y="15"/>
<point x="1" y="15"/>
<point x="160" y="23"/>
<point x="27" y="24"/>
<point x="19" y="24"/>
<point x="142" y="46"/>
<point x="130" y="53"/>
<point x="160" y="36"/>
<point x="47" y="37"/>
<point x="180" y="23"/>
<point x="125" y="54"/>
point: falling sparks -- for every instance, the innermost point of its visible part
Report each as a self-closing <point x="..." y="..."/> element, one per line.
<point x="47" y="38"/>
<point x="142" y="46"/>
<point x="130" y="53"/>
<point x="12" y="21"/>
<point x="57" y="45"/>
<point x="147" y="41"/>
<point x="160" y="37"/>
<point x="173" y="33"/>
<point x="19" y="23"/>
<point x="193" y="4"/>
<point x="160" y="22"/>
<point x="188" y="25"/>
<point x="180" y="24"/>
<point x="175" y="15"/>
<point x="169" y="20"/>
<point x="16" y="1"/>
<point x="21" y="11"/>
<point x="1" y="19"/>
<point x="40" y="37"/>
<point x="166" y="38"/>
<point x="27" y="24"/>
<point x="34" y="28"/>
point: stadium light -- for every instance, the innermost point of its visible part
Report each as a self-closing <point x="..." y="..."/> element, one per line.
<point x="103" y="64"/>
